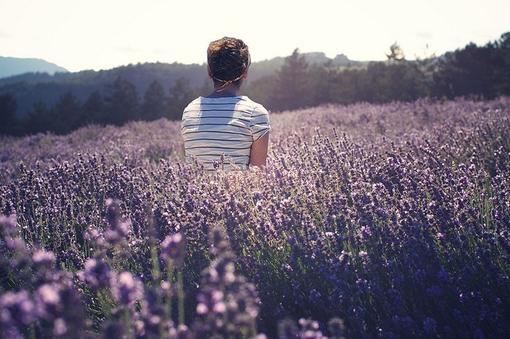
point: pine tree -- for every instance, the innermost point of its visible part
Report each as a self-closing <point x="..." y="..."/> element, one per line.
<point x="38" y="119"/>
<point x="504" y="41"/>
<point x="181" y="94"/>
<point x="154" y="102"/>
<point x="67" y="114"/>
<point x="8" y="120"/>
<point x="396" y="53"/>
<point x="122" y="102"/>
<point x="293" y="87"/>
<point x="94" y="109"/>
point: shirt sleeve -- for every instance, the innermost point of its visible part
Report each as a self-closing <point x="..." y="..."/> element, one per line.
<point x="259" y="122"/>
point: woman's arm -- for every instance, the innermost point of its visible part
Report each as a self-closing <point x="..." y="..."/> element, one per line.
<point x="258" y="154"/>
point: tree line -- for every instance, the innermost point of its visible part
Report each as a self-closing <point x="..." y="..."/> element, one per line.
<point x="117" y="104"/>
<point x="476" y="71"/>
<point x="481" y="71"/>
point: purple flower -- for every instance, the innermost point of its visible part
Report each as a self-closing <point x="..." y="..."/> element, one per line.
<point x="94" y="236"/>
<point x="366" y="232"/>
<point x="96" y="274"/>
<point x="429" y="325"/>
<point x="8" y="224"/>
<point x="336" y="328"/>
<point x="127" y="289"/>
<point x="344" y="257"/>
<point x="17" y="245"/>
<point x="119" y="227"/>
<point x="118" y="232"/>
<point x="44" y="258"/>
<point x="16" y="309"/>
<point x="287" y="329"/>
<point x="310" y="329"/>
<point x="219" y="241"/>
<point x="11" y="332"/>
<point x="172" y="249"/>
<point x="59" y="327"/>
<point x="183" y="332"/>
<point x="48" y="300"/>
<point x="210" y="300"/>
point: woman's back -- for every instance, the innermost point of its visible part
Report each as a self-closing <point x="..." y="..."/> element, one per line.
<point x="223" y="125"/>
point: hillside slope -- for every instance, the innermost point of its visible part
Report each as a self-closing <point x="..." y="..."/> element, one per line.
<point x="10" y="66"/>
<point x="31" y="88"/>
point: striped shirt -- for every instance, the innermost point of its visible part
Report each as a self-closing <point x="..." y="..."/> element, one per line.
<point x="212" y="127"/>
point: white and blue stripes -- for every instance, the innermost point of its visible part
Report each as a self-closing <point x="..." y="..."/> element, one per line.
<point x="211" y="127"/>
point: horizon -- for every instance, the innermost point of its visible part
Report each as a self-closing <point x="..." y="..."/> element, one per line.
<point x="204" y="63"/>
<point x="129" y="32"/>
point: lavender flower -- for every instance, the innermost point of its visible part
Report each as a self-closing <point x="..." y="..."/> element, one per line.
<point x="96" y="274"/>
<point x="172" y="249"/>
<point x="218" y="241"/>
<point x="16" y="309"/>
<point x="126" y="289"/>
<point x="44" y="258"/>
<point x="94" y="236"/>
<point x="59" y="327"/>
<point x="48" y="300"/>
<point x="336" y="328"/>
<point x="8" y="225"/>
<point x="375" y="210"/>
<point x="119" y="227"/>
<point x="287" y="329"/>
<point x="429" y="326"/>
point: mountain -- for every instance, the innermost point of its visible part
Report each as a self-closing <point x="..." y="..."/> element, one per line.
<point x="267" y="67"/>
<point x="13" y="66"/>
<point x="31" y="88"/>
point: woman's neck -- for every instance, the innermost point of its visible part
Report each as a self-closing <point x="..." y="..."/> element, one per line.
<point x="227" y="92"/>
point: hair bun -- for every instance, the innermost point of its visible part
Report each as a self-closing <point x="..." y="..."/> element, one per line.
<point x="228" y="59"/>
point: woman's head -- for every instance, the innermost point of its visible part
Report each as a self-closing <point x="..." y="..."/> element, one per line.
<point x="228" y="60"/>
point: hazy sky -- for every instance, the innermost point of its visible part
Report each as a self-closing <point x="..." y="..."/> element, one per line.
<point x="94" y="34"/>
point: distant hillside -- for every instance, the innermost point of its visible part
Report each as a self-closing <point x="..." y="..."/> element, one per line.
<point x="267" y="67"/>
<point x="31" y="88"/>
<point x="13" y="66"/>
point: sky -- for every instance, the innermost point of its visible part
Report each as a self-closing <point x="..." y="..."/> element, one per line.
<point x="101" y="34"/>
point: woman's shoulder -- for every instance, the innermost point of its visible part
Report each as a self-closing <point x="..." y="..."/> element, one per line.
<point x="193" y="103"/>
<point x="258" y="108"/>
<point x="242" y="100"/>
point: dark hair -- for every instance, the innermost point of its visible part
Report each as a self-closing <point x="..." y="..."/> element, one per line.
<point x="228" y="59"/>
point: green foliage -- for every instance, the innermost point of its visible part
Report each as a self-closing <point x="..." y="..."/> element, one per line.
<point x="396" y="53"/>
<point x="154" y="105"/>
<point x="38" y="120"/>
<point x="483" y="71"/>
<point x="66" y="115"/>
<point x="94" y="109"/>
<point x="122" y="102"/>
<point x="292" y="88"/>
<point x="8" y="121"/>
<point x="261" y="89"/>
<point x="318" y="84"/>
<point x="180" y="95"/>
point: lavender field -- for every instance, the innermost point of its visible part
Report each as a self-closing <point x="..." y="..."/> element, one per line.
<point x="370" y="221"/>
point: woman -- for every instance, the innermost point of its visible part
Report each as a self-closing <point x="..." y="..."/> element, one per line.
<point x="224" y="129"/>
